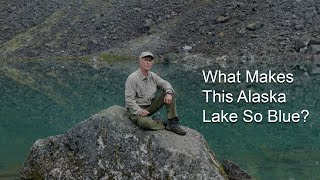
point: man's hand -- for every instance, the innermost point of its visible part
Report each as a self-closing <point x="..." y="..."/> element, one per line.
<point x="144" y="113"/>
<point x="168" y="99"/>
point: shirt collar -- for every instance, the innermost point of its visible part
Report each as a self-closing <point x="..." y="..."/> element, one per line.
<point x="142" y="77"/>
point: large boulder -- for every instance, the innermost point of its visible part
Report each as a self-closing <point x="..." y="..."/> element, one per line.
<point x="109" y="146"/>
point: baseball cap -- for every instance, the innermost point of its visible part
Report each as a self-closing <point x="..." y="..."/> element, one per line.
<point x="145" y="54"/>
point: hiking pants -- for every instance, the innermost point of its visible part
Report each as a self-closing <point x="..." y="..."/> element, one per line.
<point x="147" y="122"/>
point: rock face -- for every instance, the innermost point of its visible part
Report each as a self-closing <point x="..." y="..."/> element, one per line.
<point x="109" y="146"/>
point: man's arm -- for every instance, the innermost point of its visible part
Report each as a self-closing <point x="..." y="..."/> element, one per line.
<point x="163" y="84"/>
<point x="130" y="97"/>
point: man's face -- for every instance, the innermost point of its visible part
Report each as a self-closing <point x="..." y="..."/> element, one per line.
<point x="146" y="63"/>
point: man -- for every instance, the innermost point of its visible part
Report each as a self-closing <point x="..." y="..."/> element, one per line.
<point x="141" y="100"/>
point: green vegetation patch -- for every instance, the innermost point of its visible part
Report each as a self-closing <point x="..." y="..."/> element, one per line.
<point x="28" y="38"/>
<point x="114" y="58"/>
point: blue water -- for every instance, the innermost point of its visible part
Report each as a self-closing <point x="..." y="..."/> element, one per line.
<point x="40" y="99"/>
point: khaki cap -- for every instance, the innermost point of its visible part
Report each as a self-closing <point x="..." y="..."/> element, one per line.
<point x="145" y="54"/>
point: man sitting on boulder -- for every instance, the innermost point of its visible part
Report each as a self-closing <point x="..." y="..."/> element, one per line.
<point x="141" y="100"/>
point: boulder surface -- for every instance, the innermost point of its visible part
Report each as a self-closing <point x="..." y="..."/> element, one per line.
<point x="109" y="146"/>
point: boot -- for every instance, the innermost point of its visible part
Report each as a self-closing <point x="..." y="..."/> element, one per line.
<point x="174" y="127"/>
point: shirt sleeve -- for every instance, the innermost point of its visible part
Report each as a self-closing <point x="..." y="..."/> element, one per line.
<point x="163" y="84"/>
<point x="130" y="96"/>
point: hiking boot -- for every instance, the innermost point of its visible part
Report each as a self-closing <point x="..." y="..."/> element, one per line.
<point x="174" y="127"/>
<point x="161" y="120"/>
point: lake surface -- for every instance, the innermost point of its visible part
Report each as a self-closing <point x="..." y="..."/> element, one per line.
<point x="40" y="99"/>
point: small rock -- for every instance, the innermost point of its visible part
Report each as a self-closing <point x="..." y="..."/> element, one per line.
<point x="254" y="26"/>
<point x="223" y="19"/>
<point x="316" y="59"/>
<point x="234" y="172"/>
<point x="137" y="9"/>
<point x="145" y="29"/>
<point x="315" y="70"/>
<point x="301" y="68"/>
<point x="5" y="27"/>
<point x="314" y="41"/>
<point x="301" y="43"/>
<point x="222" y="61"/>
<point x="148" y="22"/>
<point x="96" y="62"/>
<point x="193" y="29"/>
<point x="315" y="49"/>
<point x="187" y="48"/>
<point x="242" y="32"/>
<point x="303" y="50"/>
<point x="13" y="8"/>
<point x="298" y="27"/>
<point x="254" y="35"/>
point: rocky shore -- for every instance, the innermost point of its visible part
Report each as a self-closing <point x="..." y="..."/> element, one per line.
<point x="247" y="30"/>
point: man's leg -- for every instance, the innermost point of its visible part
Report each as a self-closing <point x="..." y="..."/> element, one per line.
<point x="158" y="102"/>
<point x="146" y="122"/>
<point x="173" y="120"/>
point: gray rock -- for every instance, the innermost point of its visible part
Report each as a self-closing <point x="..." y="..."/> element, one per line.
<point x="298" y="27"/>
<point x="316" y="58"/>
<point x="109" y="146"/>
<point x="315" y="49"/>
<point x="234" y="172"/>
<point x="254" y="26"/>
<point x="301" y="43"/>
<point x="222" y="19"/>
<point x="314" y="41"/>
<point x="315" y="70"/>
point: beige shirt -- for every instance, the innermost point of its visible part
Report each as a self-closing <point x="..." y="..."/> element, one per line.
<point x="140" y="90"/>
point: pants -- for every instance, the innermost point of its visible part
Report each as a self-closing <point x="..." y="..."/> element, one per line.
<point x="147" y="122"/>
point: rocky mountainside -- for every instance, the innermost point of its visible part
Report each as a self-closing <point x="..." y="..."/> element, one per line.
<point x="109" y="146"/>
<point x="288" y="29"/>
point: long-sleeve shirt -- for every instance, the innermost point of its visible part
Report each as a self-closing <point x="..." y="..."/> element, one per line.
<point x="140" y="90"/>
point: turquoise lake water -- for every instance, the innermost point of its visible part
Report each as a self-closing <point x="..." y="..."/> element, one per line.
<point x="48" y="98"/>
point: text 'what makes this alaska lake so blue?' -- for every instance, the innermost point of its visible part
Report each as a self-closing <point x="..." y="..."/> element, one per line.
<point x="248" y="96"/>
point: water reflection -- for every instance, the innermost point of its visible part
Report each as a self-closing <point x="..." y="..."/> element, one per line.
<point x="40" y="99"/>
